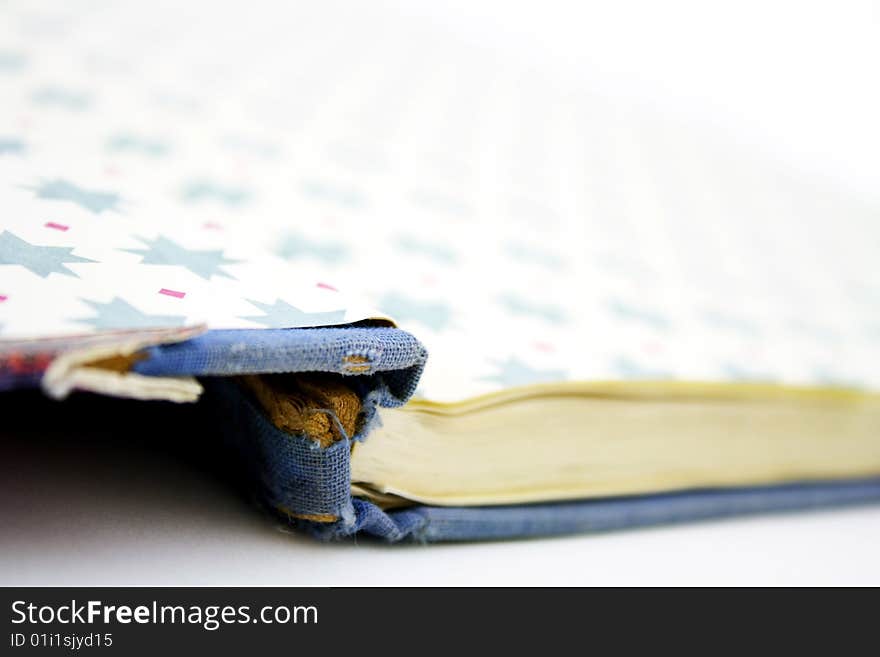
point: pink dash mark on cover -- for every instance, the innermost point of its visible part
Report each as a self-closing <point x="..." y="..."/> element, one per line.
<point x="52" y="224"/>
<point x="325" y="286"/>
<point x="544" y="346"/>
<point x="212" y="225"/>
<point x="172" y="293"/>
<point x="3" y="298"/>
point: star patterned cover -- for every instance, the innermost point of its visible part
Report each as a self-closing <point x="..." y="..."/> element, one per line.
<point x="274" y="165"/>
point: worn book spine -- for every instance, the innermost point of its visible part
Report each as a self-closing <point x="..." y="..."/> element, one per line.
<point x="309" y="486"/>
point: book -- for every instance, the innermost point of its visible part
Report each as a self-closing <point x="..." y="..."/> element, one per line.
<point x="629" y="320"/>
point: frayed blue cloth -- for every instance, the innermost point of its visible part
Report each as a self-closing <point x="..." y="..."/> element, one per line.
<point x="292" y="474"/>
<point x="395" y="356"/>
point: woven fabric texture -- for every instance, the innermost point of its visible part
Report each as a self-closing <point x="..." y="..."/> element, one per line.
<point x="288" y="472"/>
<point x="293" y="474"/>
<point x="394" y="355"/>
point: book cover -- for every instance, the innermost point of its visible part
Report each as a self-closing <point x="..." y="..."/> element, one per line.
<point x="175" y="229"/>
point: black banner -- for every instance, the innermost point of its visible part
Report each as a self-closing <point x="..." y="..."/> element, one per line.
<point x="245" y="621"/>
<point x="220" y="621"/>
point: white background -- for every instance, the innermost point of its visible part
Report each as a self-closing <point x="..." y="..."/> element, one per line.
<point x="795" y="80"/>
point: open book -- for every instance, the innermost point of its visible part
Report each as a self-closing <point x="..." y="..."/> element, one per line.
<point x="628" y="321"/>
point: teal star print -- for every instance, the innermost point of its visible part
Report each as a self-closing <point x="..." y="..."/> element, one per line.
<point x="41" y="260"/>
<point x="282" y="315"/>
<point x="162" y="251"/>
<point x="119" y="314"/>
<point x="88" y="199"/>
